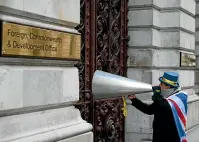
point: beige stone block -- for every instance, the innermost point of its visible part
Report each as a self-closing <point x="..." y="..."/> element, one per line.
<point x="48" y="125"/>
<point x="149" y="17"/>
<point x="37" y="86"/>
<point x="48" y="8"/>
<point x="177" y="19"/>
<point x="153" y="58"/>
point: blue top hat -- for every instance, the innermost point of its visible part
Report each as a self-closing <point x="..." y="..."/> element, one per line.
<point x="170" y="78"/>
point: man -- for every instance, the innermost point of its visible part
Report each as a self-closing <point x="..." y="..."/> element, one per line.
<point x="169" y="108"/>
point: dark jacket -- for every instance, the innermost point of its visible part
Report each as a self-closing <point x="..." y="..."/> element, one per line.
<point x="164" y="129"/>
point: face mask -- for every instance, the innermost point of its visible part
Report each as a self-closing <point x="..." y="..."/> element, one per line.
<point x="167" y="92"/>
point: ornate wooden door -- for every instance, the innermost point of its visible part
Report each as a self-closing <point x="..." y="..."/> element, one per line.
<point x="104" y="42"/>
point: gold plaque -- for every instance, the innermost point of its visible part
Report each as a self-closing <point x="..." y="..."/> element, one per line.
<point x="20" y="40"/>
<point x="187" y="59"/>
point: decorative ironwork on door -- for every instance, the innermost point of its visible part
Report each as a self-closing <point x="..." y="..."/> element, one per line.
<point x="104" y="42"/>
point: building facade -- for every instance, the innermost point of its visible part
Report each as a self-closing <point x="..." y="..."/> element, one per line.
<point x="163" y="37"/>
<point x="48" y="99"/>
<point x="37" y="94"/>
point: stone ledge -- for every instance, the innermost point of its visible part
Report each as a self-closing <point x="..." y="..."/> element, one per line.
<point x="50" y="125"/>
<point x="36" y="62"/>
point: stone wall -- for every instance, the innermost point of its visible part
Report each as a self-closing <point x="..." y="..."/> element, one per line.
<point x="45" y="9"/>
<point x="37" y="95"/>
<point x="197" y="41"/>
<point x="160" y="31"/>
<point x="193" y="133"/>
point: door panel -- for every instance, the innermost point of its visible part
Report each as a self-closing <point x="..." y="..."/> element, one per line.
<point x="104" y="43"/>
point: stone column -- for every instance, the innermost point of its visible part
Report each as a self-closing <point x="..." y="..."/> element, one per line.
<point x="161" y="32"/>
<point x="193" y="133"/>
<point x="37" y="95"/>
<point x="197" y="42"/>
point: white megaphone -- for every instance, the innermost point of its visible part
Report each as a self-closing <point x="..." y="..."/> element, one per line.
<point x="107" y="85"/>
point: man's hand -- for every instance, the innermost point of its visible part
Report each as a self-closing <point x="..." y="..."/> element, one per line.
<point x="131" y="97"/>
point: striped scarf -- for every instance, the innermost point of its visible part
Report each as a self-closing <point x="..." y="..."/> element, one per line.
<point x="178" y="104"/>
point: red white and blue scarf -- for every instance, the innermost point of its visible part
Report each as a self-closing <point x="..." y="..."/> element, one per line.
<point x="178" y="103"/>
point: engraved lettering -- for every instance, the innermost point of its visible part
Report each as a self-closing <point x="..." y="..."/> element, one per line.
<point x="22" y="36"/>
<point x="8" y="45"/>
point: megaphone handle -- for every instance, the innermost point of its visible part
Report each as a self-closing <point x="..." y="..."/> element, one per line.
<point x="124" y="108"/>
